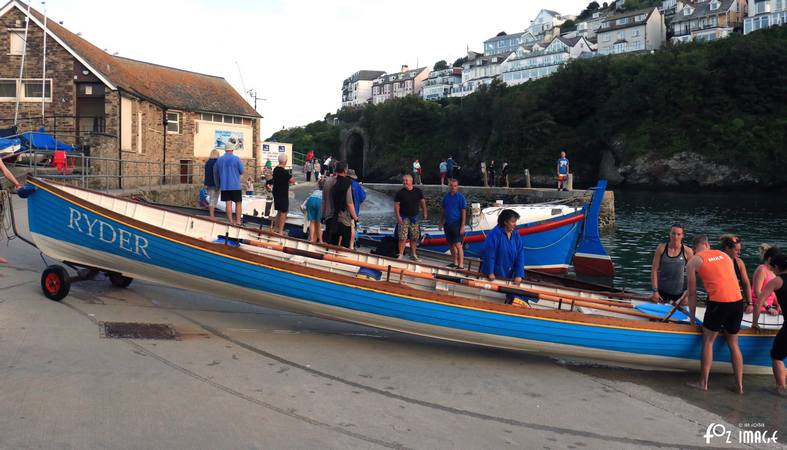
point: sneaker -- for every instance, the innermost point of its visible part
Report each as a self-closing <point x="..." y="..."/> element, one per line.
<point x="415" y="258"/>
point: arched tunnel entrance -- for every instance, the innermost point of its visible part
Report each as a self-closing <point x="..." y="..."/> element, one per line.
<point x="354" y="149"/>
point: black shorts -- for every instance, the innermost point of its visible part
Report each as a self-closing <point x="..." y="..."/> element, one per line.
<point x="725" y="316"/>
<point x="281" y="203"/>
<point x="232" y="196"/>
<point x="779" y="349"/>
<point x="452" y="233"/>
<point x="670" y="298"/>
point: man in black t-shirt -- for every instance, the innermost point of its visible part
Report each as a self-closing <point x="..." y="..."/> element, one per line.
<point x="281" y="182"/>
<point x="406" y="204"/>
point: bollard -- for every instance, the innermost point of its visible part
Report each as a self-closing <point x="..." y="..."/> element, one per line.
<point x="570" y="182"/>
<point x="527" y="178"/>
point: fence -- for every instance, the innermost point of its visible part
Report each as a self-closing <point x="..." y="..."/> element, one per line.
<point x="100" y="173"/>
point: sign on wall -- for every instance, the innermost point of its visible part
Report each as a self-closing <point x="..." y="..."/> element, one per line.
<point x="233" y="138"/>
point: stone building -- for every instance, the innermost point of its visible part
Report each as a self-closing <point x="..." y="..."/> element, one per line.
<point x="155" y="119"/>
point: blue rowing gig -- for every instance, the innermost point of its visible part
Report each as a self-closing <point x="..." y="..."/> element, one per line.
<point x="132" y="240"/>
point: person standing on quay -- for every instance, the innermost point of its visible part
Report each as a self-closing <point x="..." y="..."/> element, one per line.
<point x="210" y="183"/>
<point x="226" y="173"/>
<point x="779" y="349"/>
<point x="562" y="171"/>
<point x="723" y="311"/>
<point x="449" y="167"/>
<point x="281" y="192"/>
<point x="443" y="171"/>
<point x="668" y="271"/>
<point x="483" y="173"/>
<point x="452" y="221"/>
<point x="490" y="169"/>
<point x="762" y="276"/>
<point x="406" y="203"/>
<point x="359" y="196"/>
<point x="417" y="172"/>
<point x="343" y="207"/>
<point x="504" y="175"/>
<point x="308" y="167"/>
<point x="731" y="245"/>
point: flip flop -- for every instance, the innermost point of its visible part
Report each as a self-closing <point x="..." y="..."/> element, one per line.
<point x="3" y="261"/>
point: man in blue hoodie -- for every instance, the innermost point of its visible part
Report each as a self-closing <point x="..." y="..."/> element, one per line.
<point x="504" y="251"/>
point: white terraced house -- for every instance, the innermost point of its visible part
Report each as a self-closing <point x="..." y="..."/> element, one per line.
<point x="537" y="62"/>
<point x="357" y="89"/>
<point x="397" y="85"/>
<point x="479" y="70"/>
<point x="546" y="25"/>
<point x="633" y="31"/>
<point x="440" y="83"/>
<point x="765" y="14"/>
<point x="707" y="20"/>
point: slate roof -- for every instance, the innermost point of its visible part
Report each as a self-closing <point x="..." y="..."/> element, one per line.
<point x="612" y="19"/>
<point x="701" y="10"/>
<point x="505" y="36"/>
<point x="167" y="86"/>
<point x="365" y="75"/>
<point x="389" y="78"/>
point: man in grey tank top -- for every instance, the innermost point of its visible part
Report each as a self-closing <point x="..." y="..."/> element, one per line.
<point x="668" y="273"/>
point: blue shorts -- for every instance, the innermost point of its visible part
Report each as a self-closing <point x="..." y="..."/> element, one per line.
<point x="452" y="233"/>
<point x="313" y="207"/>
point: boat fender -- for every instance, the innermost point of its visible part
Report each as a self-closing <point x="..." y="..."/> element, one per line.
<point x="369" y="274"/>
<point x="26" y="191"/>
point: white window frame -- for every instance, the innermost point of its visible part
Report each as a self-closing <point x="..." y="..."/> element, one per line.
<point x="177" y="122"/>
<point x="19" y="32"/>
<point x="16" y="85"/>
<point x="20" y="91"/>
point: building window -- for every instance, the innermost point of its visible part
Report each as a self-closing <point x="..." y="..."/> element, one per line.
<point x="16" y="42"/>
<point x="8" y="89"/>
<point x="126" y="105"/>
<point x="605" y="38"/>
<point x="621" y="34"/>
<point x="635" y="33"/>
<point x="173" y="123"/>
<point x="35" y="90"/>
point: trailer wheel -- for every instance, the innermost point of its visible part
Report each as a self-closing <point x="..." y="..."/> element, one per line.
<point x="55" y="282"/>
<point x="119" y="280"/>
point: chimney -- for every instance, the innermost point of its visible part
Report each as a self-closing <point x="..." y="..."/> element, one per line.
<point x="405" y="68"/>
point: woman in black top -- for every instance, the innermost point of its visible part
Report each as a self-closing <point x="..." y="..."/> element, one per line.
<point x="779" y="350"/>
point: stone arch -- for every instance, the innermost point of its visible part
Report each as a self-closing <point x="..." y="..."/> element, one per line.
<point x="354" y="149"/>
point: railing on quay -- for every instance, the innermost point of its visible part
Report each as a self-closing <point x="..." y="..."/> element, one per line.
<point x="94" y="172"/>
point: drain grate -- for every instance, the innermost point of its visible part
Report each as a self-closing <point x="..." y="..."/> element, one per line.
<point x="129" y="330"/>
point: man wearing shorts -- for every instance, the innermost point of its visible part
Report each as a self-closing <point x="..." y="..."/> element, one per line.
<point x="226" y="174"/>
<point x="406" y="204"/>
<point x="452" y="220"/>
<point x="724" y="309"/>
<point x="562" y="172"/>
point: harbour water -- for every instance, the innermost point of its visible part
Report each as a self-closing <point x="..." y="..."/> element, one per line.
<point x="643" y="220"/>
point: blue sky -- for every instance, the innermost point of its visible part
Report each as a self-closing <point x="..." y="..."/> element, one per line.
<point x="294" y="53"/>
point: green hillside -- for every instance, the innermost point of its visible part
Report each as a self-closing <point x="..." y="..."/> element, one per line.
<point x="725" y="100"/>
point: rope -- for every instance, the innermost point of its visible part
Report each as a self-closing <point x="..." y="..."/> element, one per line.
<point x="574" y="225"/>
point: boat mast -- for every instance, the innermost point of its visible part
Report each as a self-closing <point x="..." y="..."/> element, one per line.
<point x="43" y="75"/>
<point x="22" y="66"/>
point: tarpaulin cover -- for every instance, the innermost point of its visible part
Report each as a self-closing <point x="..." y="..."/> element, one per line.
<point x="41" y="140"/>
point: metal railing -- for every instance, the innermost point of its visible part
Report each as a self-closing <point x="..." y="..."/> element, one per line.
<point x="101" y="173"/>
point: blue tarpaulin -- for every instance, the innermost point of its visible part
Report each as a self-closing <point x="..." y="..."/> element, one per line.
<point x="13" y="143"/>
<point x="41" y="140"/>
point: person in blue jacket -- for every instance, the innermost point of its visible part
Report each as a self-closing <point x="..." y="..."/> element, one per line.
<point x="504" y="251"/>
<point x="359" y="195"/>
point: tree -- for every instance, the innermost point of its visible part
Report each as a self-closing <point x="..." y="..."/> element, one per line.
<point x="460" y="61"/>
<point x="568" y="25"/>
<point x="440" y="65"/>
<point x="593" y="6"/>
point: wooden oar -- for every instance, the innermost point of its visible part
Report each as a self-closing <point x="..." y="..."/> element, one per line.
<point x="431" y="276"/>
<point x="600" y="305"/>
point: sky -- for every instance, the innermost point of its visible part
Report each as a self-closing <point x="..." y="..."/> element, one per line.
<point x="294" y="54"/>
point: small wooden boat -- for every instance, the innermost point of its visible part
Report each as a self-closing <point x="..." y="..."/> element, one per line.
<point x="132" y="240"/>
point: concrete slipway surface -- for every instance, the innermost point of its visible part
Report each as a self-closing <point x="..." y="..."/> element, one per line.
<point x="245" y="377"/>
